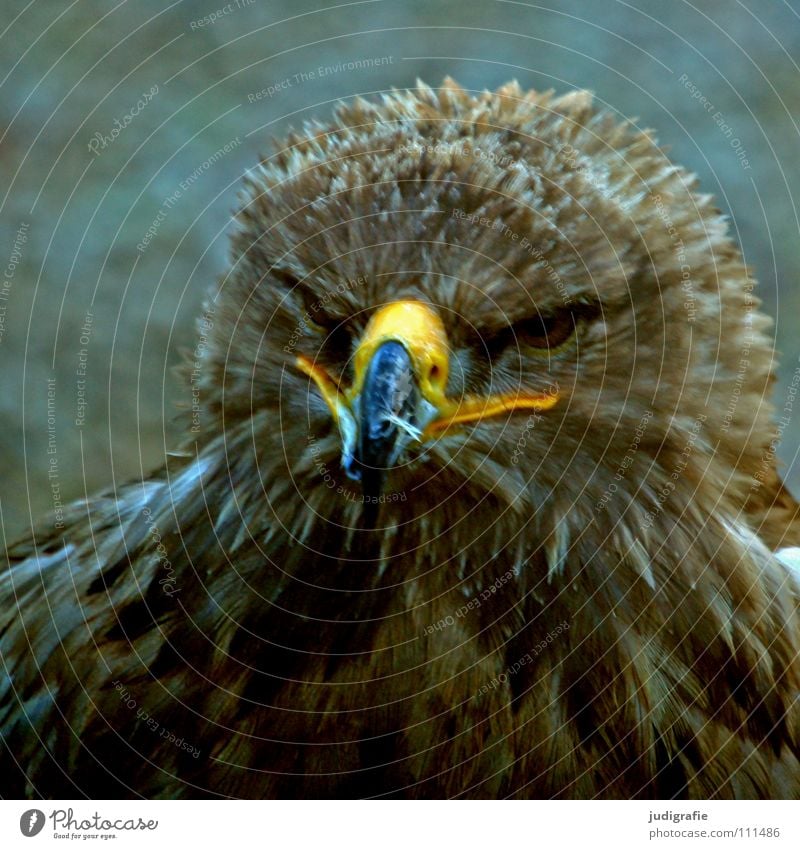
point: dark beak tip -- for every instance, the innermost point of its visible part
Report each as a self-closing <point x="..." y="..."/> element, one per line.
<point x="389" y="392"/>
<point x="352" y="469"/>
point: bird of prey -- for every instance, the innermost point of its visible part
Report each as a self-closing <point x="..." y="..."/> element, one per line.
<point x="478" y="495"/>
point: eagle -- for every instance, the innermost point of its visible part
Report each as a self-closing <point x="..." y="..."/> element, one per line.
<point x="477" y="495"/>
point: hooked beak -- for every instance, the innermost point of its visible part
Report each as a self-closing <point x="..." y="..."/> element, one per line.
<point x="387" y="409"/>
<point x="398" y="395"/>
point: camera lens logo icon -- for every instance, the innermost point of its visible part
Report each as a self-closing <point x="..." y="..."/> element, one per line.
<point x="31" y="822"/>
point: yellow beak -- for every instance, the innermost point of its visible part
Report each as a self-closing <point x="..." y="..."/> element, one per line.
<point x="419" y="329"/>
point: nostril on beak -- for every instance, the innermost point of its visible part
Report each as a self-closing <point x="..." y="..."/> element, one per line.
<point x="382" y="429"/>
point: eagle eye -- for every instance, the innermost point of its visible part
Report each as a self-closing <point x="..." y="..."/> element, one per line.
<point x="335" y="332"/>
<point x="546" y="332"/>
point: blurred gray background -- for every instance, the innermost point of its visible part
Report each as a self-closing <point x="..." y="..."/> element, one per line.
<point x="72" y="216"/>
